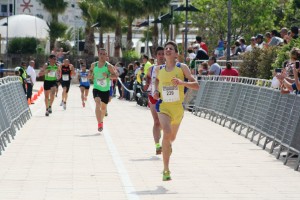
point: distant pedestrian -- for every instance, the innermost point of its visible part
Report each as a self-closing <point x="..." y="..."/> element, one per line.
<point x="31" y="79"/>
<point x="1" y="68"/>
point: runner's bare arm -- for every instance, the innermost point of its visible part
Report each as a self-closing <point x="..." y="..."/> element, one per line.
<point x="91" y="71"/>
<point x="148" y="78"/>
<point x="43" y="70"/>
<point x="113" y="73"/>
<point x="192" y="82"/>
<point x="156" y="94"/>
<point x="72" y="70"/>
<point x="59" y="71"/>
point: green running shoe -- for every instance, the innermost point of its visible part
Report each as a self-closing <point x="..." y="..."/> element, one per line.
<point x="166" y="176"/>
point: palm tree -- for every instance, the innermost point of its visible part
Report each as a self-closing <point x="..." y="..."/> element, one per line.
<point x="55" y="7"/>
<point x="132" y="9"/>
<point x="115" y="6"/>
<point x="105" y="21"/>
<point x="56" y="29"/>
<point x="154" y="7"/>
<point x="89" y="13"/>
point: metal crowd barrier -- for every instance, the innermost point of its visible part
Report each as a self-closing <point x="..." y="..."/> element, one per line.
<point x="250" y="106"/>
<point x="14" y="110"/>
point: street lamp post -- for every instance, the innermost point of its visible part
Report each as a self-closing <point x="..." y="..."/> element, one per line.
<point x="160" y="20"/>
<point x="6" y="55"/>
<point x="186" y="8"/>
<point x="229" y="31"/>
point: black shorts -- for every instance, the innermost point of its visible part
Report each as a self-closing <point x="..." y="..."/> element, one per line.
<point x="104" y="96"/>
<point x="66" y="84"/>
<point x="49" y="84"/>
<point x="85" y="86"/>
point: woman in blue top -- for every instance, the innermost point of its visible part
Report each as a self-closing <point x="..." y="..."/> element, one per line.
<point x="84" y="83"/>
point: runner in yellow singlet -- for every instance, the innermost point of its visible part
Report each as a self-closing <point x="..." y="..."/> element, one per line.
<point x="169" y="90"/>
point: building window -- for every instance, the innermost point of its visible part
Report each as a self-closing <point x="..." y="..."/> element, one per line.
<point x="4" y="8"/>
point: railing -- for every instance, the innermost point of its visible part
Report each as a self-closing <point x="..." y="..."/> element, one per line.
<point x="252" y="108"/>
<point x="14" y="110"/>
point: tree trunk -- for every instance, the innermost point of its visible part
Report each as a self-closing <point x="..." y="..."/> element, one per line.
<point x="154" y="39"/>
<point x="89" y="46"/>
<point x="118" y="37"/>
<point x="101" y="45"/>
<point x="129" y="44"/>
<point x="118" y="41"/>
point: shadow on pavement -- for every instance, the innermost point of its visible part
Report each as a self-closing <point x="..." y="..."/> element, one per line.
<point x="158" y="191"/>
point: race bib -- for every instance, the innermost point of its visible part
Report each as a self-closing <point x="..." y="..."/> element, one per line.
<point x="52" y="74"/>
<point x="102" y="82"/>
<point x="84" y="79"/>
<point x="65" y="77"/>
<point x="170" y="93"/>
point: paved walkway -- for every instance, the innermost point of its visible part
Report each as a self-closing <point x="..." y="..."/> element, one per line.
<point x="63" y="157"/>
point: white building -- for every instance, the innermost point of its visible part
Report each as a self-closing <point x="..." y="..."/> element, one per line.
<point x="35" y="8"/>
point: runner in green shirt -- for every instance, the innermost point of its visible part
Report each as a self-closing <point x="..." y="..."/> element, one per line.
<point x="101" y="72"/>
<point x="50" y="70"/>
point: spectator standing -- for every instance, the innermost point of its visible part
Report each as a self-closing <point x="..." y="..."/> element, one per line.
<point x="237" y="49"/>
<point x="284" y="35"/>
<point x="61" y="55"/>
<point x="275" y="39"/>
<point x="287" y="73"/>
<point x="260" y="41"/>
<point x="203" y="69"/>
<point x="1" y="68"/>
<point x="191" y="54"/>
<point x="23" y="75"/>
<point x="215" y="68"/>
<point x="31" y="80"/>
<point x="219" y="52"/>
<point x="202" y="44"/>
<point x="292" y="86"/>
<point x="136" y="67"/>
<point x="294" y="32"/>
<point x="147" y="63"/>
<point x="243" y="45"/>
<point x="200" y="55"/>
<point x="252" y="45"/>
<point x="229" y="71"/>
<point x="121" y="71"/>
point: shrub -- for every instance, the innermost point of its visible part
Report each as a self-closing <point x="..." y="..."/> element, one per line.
<point x="266" y="59"/>
<point x="249" y="66"/>
<point x="283" y="52"/>
<point x="26" y="45"/>
<point x="130" y="56"/>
